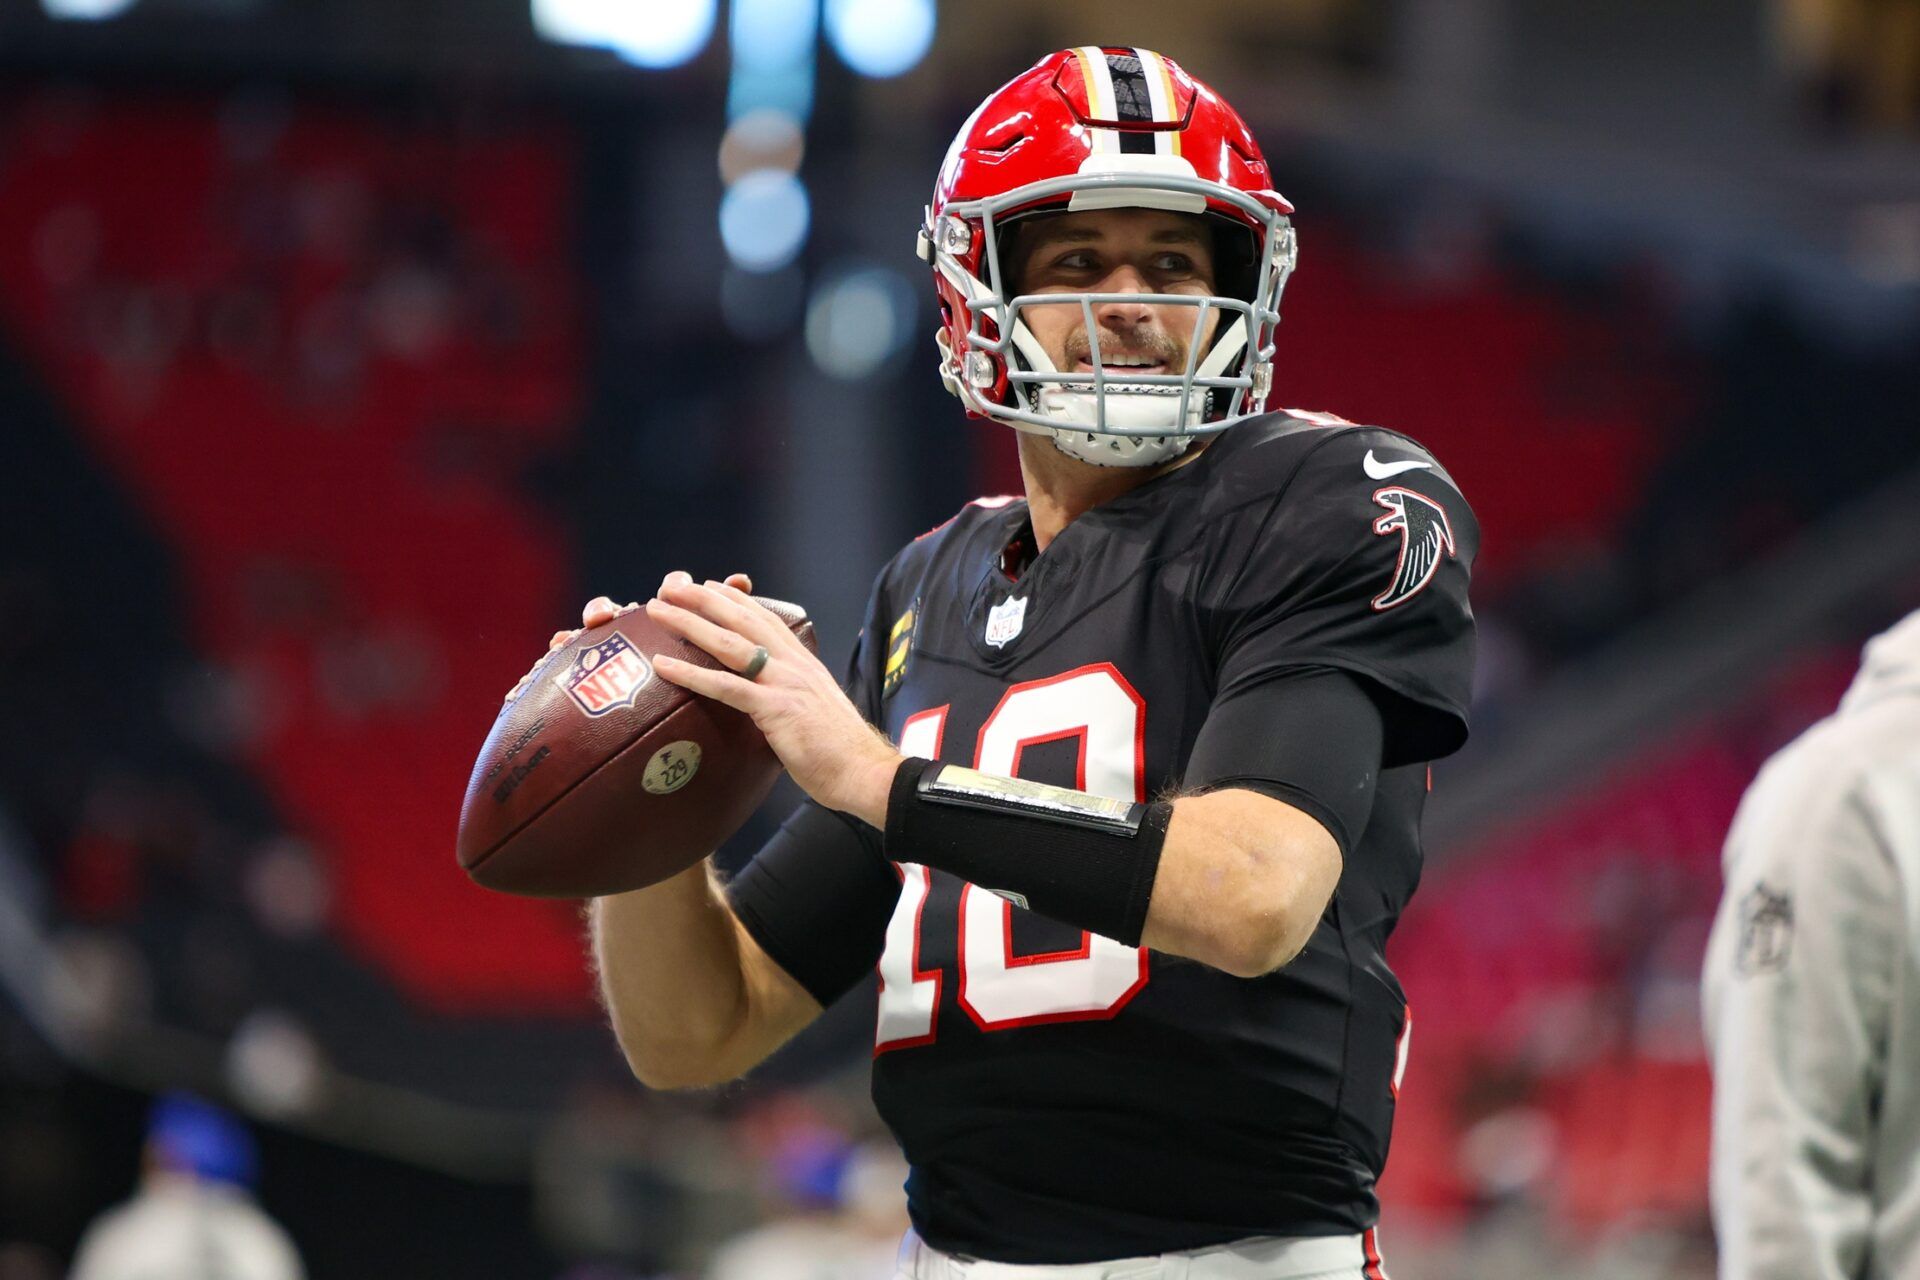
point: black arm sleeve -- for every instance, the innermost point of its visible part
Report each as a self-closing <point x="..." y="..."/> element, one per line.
<point x="1312" y="737"/>
<point x="818" y="895"/>
<point x="817" y="898"/>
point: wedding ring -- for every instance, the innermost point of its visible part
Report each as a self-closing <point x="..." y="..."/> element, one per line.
<point x="757" y="663"/>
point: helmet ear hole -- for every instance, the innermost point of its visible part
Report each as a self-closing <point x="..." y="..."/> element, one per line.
<point x="1013" y="234"/>
<point x="1236" y="259"/>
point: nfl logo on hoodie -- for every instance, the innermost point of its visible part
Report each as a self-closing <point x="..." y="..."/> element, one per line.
<point x="1004" y="621"/>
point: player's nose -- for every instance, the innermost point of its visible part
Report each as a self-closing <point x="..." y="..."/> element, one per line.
<point x="1126" y="313"/>
<point x="1126" y="278"/>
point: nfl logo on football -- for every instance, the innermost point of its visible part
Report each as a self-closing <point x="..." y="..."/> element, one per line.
<point x="606" y="676"/>
<point x="1004" y="621"/>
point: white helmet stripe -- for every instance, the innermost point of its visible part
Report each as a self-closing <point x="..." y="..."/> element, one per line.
<point x="1160" y="93"/>
<point x="1100" y="97"/>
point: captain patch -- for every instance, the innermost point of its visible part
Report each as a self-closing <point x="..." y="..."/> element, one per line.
<point x="899" y="650"/>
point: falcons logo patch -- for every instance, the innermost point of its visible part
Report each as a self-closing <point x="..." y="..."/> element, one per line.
<point x="1425" y="536"/>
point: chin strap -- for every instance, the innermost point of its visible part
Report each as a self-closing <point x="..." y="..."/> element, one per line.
<point x="949" y="377"/>
<point x="1118" y="451"/>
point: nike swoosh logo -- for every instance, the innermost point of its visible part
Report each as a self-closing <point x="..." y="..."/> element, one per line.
<point x="1378" y="470"/>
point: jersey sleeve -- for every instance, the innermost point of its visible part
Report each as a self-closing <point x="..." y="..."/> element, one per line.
<point x="1359" y="562"/>
<point x="1310" y="737"/>
<point x="818" y="895"/>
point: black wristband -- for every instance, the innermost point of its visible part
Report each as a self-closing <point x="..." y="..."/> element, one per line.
<point x="1079" y="858"/>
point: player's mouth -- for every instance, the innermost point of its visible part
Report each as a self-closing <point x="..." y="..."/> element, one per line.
<point x="1124" y="365"/>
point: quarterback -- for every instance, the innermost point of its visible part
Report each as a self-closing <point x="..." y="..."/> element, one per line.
<point x="1121" y="791"/>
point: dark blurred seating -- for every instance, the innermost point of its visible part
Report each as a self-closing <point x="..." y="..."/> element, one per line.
<point x="1556" y="1056"/>
<point x="318" y="347"/>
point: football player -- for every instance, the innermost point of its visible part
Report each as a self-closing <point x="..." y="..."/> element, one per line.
<point x="1122" y="790"/>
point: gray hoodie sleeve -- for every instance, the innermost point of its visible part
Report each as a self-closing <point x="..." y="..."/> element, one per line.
<point x="1801" y="974"/>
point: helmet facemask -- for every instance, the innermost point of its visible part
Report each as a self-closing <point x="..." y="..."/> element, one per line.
<point x="1106" y="416"/>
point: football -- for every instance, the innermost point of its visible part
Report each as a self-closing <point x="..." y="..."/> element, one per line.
<point x="600" y="776"/>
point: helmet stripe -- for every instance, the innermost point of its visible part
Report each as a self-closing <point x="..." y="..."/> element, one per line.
<point x="1160" y="90"/>
<point x="1099" y="78"/>
<point x="1133" y="102"/>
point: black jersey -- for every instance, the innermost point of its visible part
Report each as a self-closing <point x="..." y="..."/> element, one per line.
<point x="1062" y="1097"/>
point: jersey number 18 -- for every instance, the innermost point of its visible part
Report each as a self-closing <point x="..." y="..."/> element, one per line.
<point x="998" y="989"/>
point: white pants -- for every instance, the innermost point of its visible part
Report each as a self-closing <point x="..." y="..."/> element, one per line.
<point x="1262" y="1258"/>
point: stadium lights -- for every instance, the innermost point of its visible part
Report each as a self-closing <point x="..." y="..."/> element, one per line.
<point x="763" y="220"/>
<point x="761" y="139"/>
<point x="858" y="320"/>
<point x="765" y="213"/>
<point x="880" y="38"/>
<point x="85" y="10"/>
<point x="772" y="35"/>
<point x="773" y="43"/>
<point x="655" y="34"/>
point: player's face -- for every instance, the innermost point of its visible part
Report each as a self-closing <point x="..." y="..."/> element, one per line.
<point x="1139" y="251"/>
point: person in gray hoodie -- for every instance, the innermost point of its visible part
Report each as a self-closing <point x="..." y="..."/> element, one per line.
<point x="1812" y="995"/>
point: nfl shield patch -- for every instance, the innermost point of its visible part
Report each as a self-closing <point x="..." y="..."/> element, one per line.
<point x="606" y="676"/>
<point x="1766" y="930"/>
<point x="1004" y="621"/>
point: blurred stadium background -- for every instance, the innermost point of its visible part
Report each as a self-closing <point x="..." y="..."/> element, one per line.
<point x="346" y="346"/>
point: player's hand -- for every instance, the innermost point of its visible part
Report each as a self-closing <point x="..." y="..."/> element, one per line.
<point x="820" y="736"/>
<point x="602" y="609"/>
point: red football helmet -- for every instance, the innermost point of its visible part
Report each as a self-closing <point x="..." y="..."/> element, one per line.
<point x="1104" y="128"/>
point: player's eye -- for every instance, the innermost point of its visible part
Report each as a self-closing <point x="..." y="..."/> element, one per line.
<point x="1173" y="264"/>
<point x="1078" y="260"/>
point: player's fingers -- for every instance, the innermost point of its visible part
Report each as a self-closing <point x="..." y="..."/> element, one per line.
<point x="721" y="686"/>
<point x="678" y="578"/>
<point x="766" y="621"/>
<point x="731" y="648"/>
<point x="599" y="610"/>
<point x="735" y="594"/>
<point x="711" y="602"/>
<point x="740" y="582"/>
<point x="560" y="638"/>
